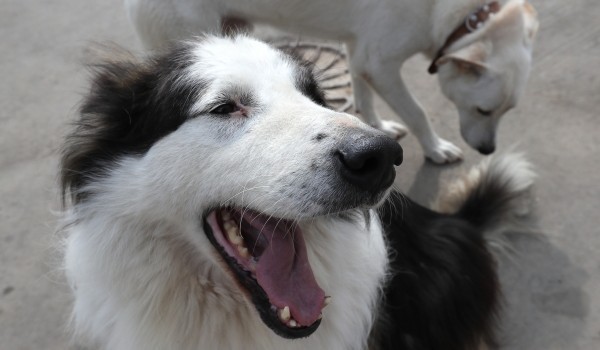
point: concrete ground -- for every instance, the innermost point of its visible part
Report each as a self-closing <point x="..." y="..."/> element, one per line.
<point x="551" y="280"/>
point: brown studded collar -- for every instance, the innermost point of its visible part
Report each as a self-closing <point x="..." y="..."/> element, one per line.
<point x="472" y="22"/>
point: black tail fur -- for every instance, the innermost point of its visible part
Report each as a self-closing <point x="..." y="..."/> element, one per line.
<point x="443" y="289"/>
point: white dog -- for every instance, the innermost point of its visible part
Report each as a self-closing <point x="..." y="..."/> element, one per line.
<point x="217" y="204"/>
<point x="483" y="54"/>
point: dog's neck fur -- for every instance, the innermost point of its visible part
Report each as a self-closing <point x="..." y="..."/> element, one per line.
<point x="447" y="15"/>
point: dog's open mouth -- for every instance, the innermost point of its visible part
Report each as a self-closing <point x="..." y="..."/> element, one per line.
<point x="268" y="258"/>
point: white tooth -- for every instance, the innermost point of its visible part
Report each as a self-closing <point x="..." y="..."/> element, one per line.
<point x="327" y="301"/>
<point x="284" y="314"/>
<point x="244" y="252"/>
<point x="320" y="316"/>
<point x="229" y="224"/>
<point x="236" y="239"/>
<point x="234" y="236"/>
<point x="293" y="324"/>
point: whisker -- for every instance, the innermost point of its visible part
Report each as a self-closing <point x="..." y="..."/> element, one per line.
<point x="269" y="218"/>
<point x="247" y="207"/>
<point x="223" y="203"/>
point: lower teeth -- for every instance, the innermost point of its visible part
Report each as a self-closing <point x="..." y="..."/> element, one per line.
<point x="284" y="314"/>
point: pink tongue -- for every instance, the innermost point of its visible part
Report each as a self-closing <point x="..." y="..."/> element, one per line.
<point x="283" y="271"/>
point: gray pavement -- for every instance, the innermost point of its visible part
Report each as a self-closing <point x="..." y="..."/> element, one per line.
<point x="551" y="279"/>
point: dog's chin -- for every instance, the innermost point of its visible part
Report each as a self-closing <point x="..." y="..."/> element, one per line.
<point x="352" y="200"/>
<point x="382" y="198"/>
<point x="267" y="258"/>
<point x="373" y="201"/>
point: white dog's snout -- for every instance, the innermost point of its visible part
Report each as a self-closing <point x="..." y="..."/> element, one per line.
<point x="480" y="137"/>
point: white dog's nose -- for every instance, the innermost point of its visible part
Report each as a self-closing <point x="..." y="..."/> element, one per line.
<point x="486" y="149"/>
<point x="367" y="161"/>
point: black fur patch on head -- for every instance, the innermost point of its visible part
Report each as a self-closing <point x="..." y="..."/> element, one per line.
<point x="307" y="77"/>
<point x="131" y="105"/>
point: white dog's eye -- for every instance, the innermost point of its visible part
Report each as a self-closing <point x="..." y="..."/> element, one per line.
<point x="484" y="112"/>
<point x="225" y="108"/>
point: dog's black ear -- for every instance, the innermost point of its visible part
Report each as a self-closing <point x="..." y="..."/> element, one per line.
<point x="307" y="82"/>
<point x="131" y="104"/>
<point x="307" y="76"/>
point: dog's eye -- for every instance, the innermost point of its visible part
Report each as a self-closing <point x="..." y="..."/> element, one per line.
<point x="484" y="112"/>
<point x="225" y="108"/>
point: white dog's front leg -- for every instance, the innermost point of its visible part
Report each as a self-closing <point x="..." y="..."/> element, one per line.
<point x="388" y="83"/>
<point x="363" y="102"/>
<point x="363" y="96"/>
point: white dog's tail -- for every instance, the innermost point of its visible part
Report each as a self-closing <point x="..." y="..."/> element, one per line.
<point x="492" y="194"/>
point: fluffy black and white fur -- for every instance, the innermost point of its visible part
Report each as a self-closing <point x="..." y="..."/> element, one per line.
<point x="216" y="203"/>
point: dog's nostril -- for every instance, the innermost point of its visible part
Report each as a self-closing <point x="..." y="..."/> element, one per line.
<point x="399" y="159"/>
<point x="358" y="163"/>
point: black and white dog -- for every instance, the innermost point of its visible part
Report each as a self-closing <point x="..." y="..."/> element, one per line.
<point x="217" y="203"/>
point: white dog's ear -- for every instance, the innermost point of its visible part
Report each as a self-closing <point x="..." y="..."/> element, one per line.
<point x="531" y="21"/>
<point x="468" y="60"/>
<point x="517" y="19"/>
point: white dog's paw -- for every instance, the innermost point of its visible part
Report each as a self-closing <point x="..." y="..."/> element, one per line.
<point x="393" y="129"/>
<point x="444" y="152"/>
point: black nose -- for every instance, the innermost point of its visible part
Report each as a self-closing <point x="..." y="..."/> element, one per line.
<point x="486" y="149"/>
<point x="367" y="160"/>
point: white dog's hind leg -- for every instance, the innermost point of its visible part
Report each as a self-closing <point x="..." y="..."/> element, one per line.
<point x="386" y="80"/>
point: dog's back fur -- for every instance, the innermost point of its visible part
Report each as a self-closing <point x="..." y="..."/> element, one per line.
<point x="151" y="155"/>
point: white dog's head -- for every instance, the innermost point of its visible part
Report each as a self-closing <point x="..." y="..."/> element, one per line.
<point x="485" y="73"/>
<point x="233" y="136"/>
